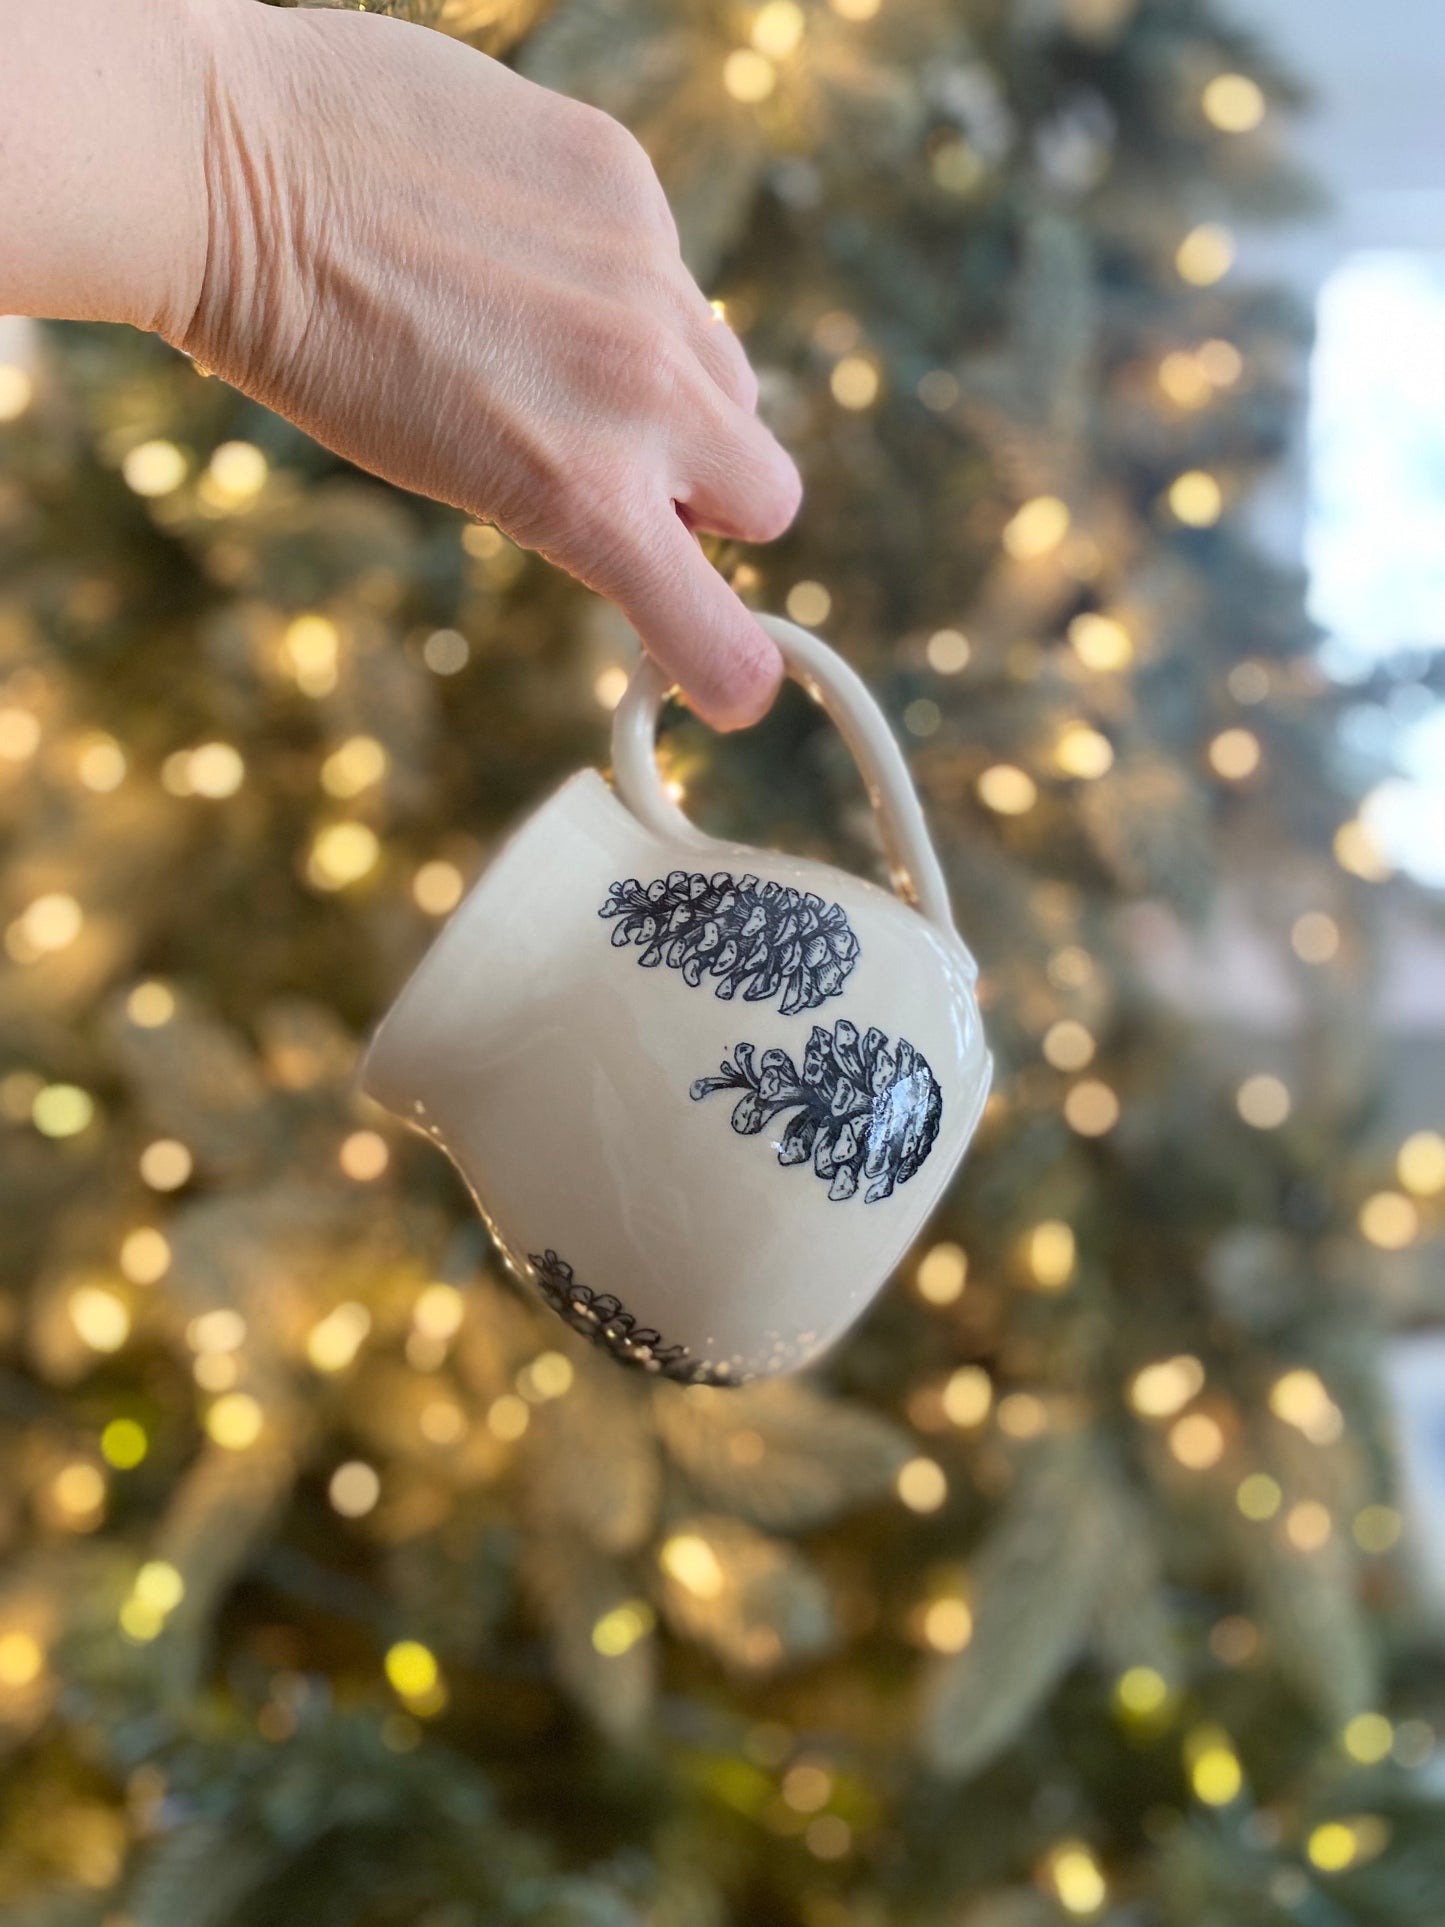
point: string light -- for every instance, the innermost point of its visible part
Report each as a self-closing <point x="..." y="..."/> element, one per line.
<point x="48" y="924"/>
<point x="1037" y="528"/>
<point x="1368" y="1738"/>
<point x="1084" y="752"/>
<point x="1357" y="851"/>
<point x="166" y="1164"/>
<point x="778" y="28"/>
<point x="921" y="1485"/>
<point x="1068" y="1045"/>
<point x="223" y="1330"/>
<point x="1052" y="1253"/>
<point x="364" y="1156"/>
<point x="609" y="686"/>
<point x="342" y="853"/>
<point x="1259" y="1497"/>
<point x="235" y="475"/>
<point x="1197" y="1441"/>
<point x="101" y="1320"/>
<point x="508" y="1417"/>
<point x="1162" y="1389"/>
<point x="1420" y="1164"/>
<point x="446" y="652"/>
<point x="62" y="1110"/>
<point x="1389" y="1221"/>
<point x="22" y="1659"/>
<point x="619" y="1630"/>
<point x="947" y="651"/>
<point x="1196" y="499"/>
<point x="1300" y="1399"/>
<point x="749" y="76"/>
<point x="332" y="1343"/>
<point x="1076" y="1879"/>
<point x="942" y="1274"/>
<point x="1007" y="790"/>
<point x="235" y="1421"/>
<point x="19" y="734"/>
<point x="691" y="1561"/>
<point x="948" y="1625"/>
<point x="439" y="1311"/>
<point x="437" y="887"/>
<point x="1315" y="937"/>
<point x="808" y="603"/>
<point x="855" y="382"/>
<point x="855" y="9"/>
<point x="16" y="391"/>
<point x="123" y="1444"/>
<point x="1141" y="1692"/>
<point x="78" y="1491"/>
<point x="101" y="764"/>
<point x="311" y="647"/>
<point x="1214" y="1770"/>
<point x="358" y="763"/>
<point x="1233" y="103"/>
<point x="1184" y="381"/>
<point x="154" y="468"/>
<point x="151" y="1005"/>
<point x="1308" y="1526"/>
<point x="1205" y="255"/>
<point x="1091" y="1108"/>
<point x="215" y="770"/>
<point x="550" y="1375"/>
<point x="1222" y="362"/>
<point x="1377" y="1529"/>
<point x="1263" y="1101"/>
<point x="1022" y="1416"/>
<point x="1234" y="754"/>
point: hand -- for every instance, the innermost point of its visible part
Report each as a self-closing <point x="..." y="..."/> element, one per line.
<point x="471" y="286"/>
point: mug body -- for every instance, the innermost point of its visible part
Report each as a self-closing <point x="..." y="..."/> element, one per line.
<point x="705" y="1095"/>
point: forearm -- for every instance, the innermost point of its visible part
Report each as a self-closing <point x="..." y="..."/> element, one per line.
<point x="103" y="118"/>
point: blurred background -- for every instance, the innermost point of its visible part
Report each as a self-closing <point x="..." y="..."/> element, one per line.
<point x="1099" y="1574"/>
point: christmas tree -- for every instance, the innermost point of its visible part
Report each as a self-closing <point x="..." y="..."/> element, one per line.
<point x="343" y="1581"/>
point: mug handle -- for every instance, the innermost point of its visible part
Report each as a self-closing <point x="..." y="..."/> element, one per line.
<point x="913" y="865"/>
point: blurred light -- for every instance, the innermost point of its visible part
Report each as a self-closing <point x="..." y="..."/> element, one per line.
<point x="550" y="1375"/>
<point x="855" y="382"/>
<point x="1205" y="255"/>
<point x="619" y="1630"/>
<point x="333" y="1342"/>
<point x="437" y="887"/>
<point x="1315" y="937"/>
<point x="166" y="1164"/>
<point x="1377" y="1528"/>
<point x="1234" y="754"/>
<point x="123" y="1444"/>
<point x="155" y="468"/>
<point x="442" y="1422"/>
<point x="216" y="1371"/>
<point x="1051" y="1254"/>
<point x="1142" y="1692"/>
<point x="1008" y="790"/>
<point x="1084" y="752"/>
<point x="446" y="652"/>
<point x="160" y="1585"/>
<point x="692" y="1562"/>
<point x="22" y="1659"/>
<point x="1184" y="381"/>
<point x="609" y="686"/>
<point x="1076" y="1879"/>
<point x="1197" y="1441"/>
<point x="1037" y="528"/>
<point x="354" y="1489"/>
<point x="508" y="1417"/>
<point x="100" y="1318"/>
<point x="1259" y="1496"/>
<point x="942" y="1274"/>
<point x="62" y="1110"/>
<point x="79" y="1490"/>
<point x="948" y="651"/>
<point x="1248" y="682"/>
<point x="1070" y="968"/>
<point x="482" y="541"/>
<point x="1233" y="103"/>
<point x="236" y="473"/>
<point x="1091" y="1108"/>
<point x="342" y="853"/>
<point x="955" y="164"/>
<point x="216" y="770"/>
<point x="1414" y="1743"/>
<point x="140" y="1620"/>
<point x="439" y="1311"/>
<point x="16" y="391"/>
<point x="1388" y="1220"/>
<point x="1068" y="1045"/>
<point x="967" y="1395"/>
<point x="358" y="763"/>
<point x="748" y="75"/>
<point x="411" y="1669"/>
<point x="938" y="390"/>
<point x="217" y="1331"/>
<point x="1161" y="1390"/>
<point x="1299" y="1398"/>
<point x="1101" y="643"/>
<point x="1308" y="1526"/>
<point x="829" y="1837"/>
<point x="921" y="1485"/>
<point x="777" y="28"/>
<point x="1368" y="1738"/>
<point x="807" y="1787"/>
<point x="1214" y="1769"/>
<point x="311" y="647"/>
<point x="1421" y="1163"/>
<point x="1234" y="1641"/>
<point x="235" y="1421"/>
<point x="1222" y="362"/>
<point x="1022" y="1416"/>
<point x="51" y="922"/>
<point x="1196" y="499"/>
<point x="1357" y="851"/>
<point x="19" y="735"/>
<point x="808" y="603"/>
<point x="150" y="1005"/>
<point x="922" y="717"/>
<point x="1332" y="1847"/>
<point x="1263" y="1101"/>
<point x="948" y="1625"/>
<point x="855" y="9"/>
<point x="101" y="764"/>
<point x="364" y="1156"/>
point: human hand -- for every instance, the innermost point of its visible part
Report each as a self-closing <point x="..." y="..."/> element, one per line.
<point x="471" y="286"/>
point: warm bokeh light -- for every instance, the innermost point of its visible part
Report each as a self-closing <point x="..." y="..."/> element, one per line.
<point x="145" y="1255"/>
<point x="691" y="1561"/>
<point x="942" y="1273"/>
<point x="1357" y="851"/>
<point x="508" y="1417"/>
<point x="154" y="468"/>
<point x="311" y="649"/>
<point x="342" y="853"/>
<point x="1197" y="1441"/>
<point x="101" y="1320"/>
<point x="16" y="391"/>
<point x="749" y="76"/>
<point x="166" y="1164"/>
<point x="808" y="603"/>
<point x="1007" y="789"/>
<point x="1196" y="499"/>
<point x="215" y="770"/>
<point x="1184" y="381"/>
<point x="1051" y="1254"/>
<point x="947" y="1625"/>
<point x="1077" y="1879"/>
<point x="1022" y="1415"/>
<point x="1389" y="1221"/>
<point x="334" y="1341"/>
<point x="1160" y="1390"/>
<point x="1315" y="937"/>
<point x="1234" y="754"/>
<point x="124" y="1444"/>
<point x="1037" y="528"/>
<point x="1068" y="1045"/>
<point x="921" y="1485"/>
<point x="22" y="1659"/>
<point x="235" y="1421"/>
<point x="1084" y="752"/>
<point x="364" y="1156"/>
<point x="855" y="382"/>
<point x="437" y="887"/>
<point x="948" y="651"/>
<point x="967" y="1396"/>
<point x="62" y="1110"/>
<point x="1377" y="1529"/>
<point x="1205" y="255"/>
<point x="1308" y="1526"/>
<point x="1091" y="1108"/>
<point x="1300" y="1398"/>
<point x="1420" y="1165"/>
<point x="1368" y="1738"/>
<point x="620" y="1629"/>
<point x="1259" y="1497"/>
<point x="777" y="28"/>
<point x="1233" y="103"/>
<point x="1263" y="1101"/>
<point x="1214" y="1770"/>
<point x="354" y="766"/>
<point x="101" y="764"/>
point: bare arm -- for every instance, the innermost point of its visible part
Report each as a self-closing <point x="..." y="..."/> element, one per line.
<point x="461" y="281"/>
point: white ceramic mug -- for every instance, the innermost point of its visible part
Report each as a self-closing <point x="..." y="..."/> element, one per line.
<point x="704" y="1095"/>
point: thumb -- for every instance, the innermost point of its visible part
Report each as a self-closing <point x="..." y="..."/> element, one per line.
<point x="693" y="625"/>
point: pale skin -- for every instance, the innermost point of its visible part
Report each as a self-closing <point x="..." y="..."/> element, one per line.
<point x="459" y="280"/>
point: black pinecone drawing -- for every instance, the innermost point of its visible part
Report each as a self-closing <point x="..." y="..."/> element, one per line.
<point x="601" y="1317"/>
<point x="865" y="1108"/>
<point x="760" y="939"/>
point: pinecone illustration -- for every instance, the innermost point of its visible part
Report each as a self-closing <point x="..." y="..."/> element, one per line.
<point x="863" y="1108"/>
<point x="763" y="939"/>
<point x="602" y="1318"/>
